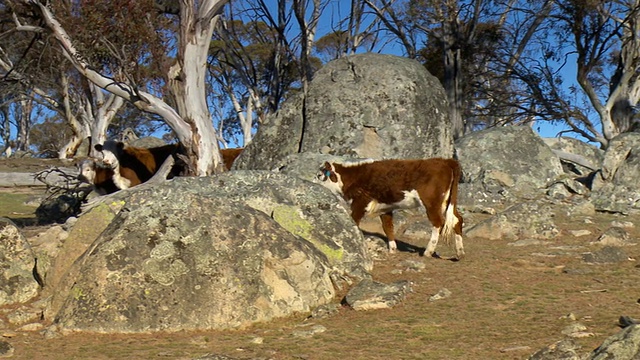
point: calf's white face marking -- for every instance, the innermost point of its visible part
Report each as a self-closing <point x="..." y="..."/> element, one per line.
<point x="331" y="179"/>
<point x="109" y="158"/>
<point x="107" y="153"/>
<point x="87" y="171"/>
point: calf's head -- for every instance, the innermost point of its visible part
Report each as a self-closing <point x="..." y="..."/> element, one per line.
<point x="330" y="178"/>
<point x="87" y="171"/>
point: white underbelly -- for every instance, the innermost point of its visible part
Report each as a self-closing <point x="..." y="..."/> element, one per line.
<point x="411" y="200"/>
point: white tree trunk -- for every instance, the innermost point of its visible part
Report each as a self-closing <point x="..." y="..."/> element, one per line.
<point x="187" y="80"/>
<point x="247" y="124"/>
<point x="105" y="110"/>
<point x="24" y="123"/>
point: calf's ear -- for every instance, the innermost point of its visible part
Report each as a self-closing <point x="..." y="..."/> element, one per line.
<point x="98" y="147"/>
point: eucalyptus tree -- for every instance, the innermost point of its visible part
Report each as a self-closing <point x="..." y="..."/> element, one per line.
<point x="188" y="114"/>
<point x="33" y="60"/>
<point x="606" y="39"/>
<point x="261" y="52"/>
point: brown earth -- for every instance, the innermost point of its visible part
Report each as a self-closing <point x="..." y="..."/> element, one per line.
<point x="507" y="302"/>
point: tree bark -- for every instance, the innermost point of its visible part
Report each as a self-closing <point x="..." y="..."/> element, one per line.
<point x="187" y="80"/>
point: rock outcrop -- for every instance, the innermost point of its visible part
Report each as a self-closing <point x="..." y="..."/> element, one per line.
<point x="363" y="106"/>
<point x="17" y="261"/>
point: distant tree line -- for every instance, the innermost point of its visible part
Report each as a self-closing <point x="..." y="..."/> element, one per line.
<point x="208" y="72"/>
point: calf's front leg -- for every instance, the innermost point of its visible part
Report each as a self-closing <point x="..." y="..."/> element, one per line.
<point x="387" y="226"/>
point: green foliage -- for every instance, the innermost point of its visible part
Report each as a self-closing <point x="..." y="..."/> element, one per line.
<point x="49" y="137"/>
<point x="120" y="37"/>
<point x="143" y="124"/>
<point x="336" y="43"/>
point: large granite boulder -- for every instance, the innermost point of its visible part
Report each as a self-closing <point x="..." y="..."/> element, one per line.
<point x="577" y="157"/>
<point x="17" y="261"/>
<point x="624" y="345"/>
<point x="305" y="209"/>
<point x="510" y="161"/>
<point x="365" y="106"/>
<point x="60" y="274"/>
<point x="212" y="253"/>
<point x="192" y="264"/>
<point x="616" y="187"/>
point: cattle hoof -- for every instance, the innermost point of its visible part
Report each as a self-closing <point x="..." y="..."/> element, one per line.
<point x="392" y="247"/>
<point x="433" y="255"/>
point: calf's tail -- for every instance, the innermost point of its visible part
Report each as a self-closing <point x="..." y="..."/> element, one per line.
<point x="448" y="229"/>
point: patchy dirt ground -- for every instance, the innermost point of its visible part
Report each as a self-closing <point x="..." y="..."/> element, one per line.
<point x="507" y="302"/>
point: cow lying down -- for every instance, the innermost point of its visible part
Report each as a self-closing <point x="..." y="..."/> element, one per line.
<point x="380" y="187"/>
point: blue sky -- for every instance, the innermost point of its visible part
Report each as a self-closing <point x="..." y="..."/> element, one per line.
<point x="341" y="8"/>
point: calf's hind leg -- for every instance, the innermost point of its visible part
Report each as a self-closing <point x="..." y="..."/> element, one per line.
<point x="387" y="226"/>
<point x="436" y="208"/>
<point x="458" y="231"/>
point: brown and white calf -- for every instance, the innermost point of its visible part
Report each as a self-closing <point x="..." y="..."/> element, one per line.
<point x="104" y="177"/>
<point x="91" y="171"/>
<point x="380" y="187"/>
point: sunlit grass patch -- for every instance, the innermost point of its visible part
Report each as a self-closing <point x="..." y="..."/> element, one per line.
<point x="14" y="206"/>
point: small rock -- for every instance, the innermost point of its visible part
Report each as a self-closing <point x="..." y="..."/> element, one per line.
<point x="564" y="349"/>
<point x="21" y="316"/>
<point x="9" y="334"/>
<point x="316" y="329"/>
<point x="570" y="316"/>
<point x="608" y="254"/>
<point x="413" y="265"/>
<point x="371" y="295"/>
<point x="442" y="294"/>
<point x="573" y="328"/>
<point x="579" y="233"/>
<point x="623" y="224"/>
<point x="31" y="327"/>
<point x="528" y="242"/>
<point x="324" y="311"/>
<point x="581" y="334"/>
<point x="51" y="332"/>
<point x="615" y="236"/>
<point x="479" y="209"/>
<point x="257" y="340"/>
<point x="6" y="349"/>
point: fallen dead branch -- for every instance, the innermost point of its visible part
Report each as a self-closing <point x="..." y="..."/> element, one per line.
<point x="593" y="291"/>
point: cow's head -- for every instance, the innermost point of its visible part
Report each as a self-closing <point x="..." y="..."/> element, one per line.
<point x="87" y="171"/>
<point x="330" y="178"/>
<point x="108" y="152"/>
